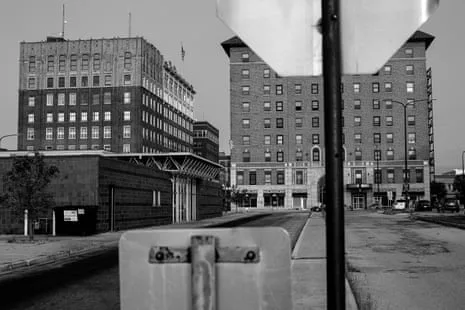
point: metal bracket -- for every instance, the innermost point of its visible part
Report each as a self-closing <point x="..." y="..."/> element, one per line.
<point x="172" y="255"/>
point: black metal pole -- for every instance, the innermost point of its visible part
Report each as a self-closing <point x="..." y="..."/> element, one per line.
<point x="406" y="185"/>
<point x="335" y="263"/>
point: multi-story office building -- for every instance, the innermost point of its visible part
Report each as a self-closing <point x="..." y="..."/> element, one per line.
<point x="206" y="140"/>
<point x="116" y="94"/>
<point x="277" y="130"/>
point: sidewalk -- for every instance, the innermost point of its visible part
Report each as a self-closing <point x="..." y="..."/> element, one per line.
<point x="308" y="269"/>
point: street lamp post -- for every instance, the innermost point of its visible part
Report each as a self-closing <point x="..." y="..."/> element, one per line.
<point x="377" y="180"/>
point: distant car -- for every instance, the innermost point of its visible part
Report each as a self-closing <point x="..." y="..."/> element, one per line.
<point x="423" y="205"/>
<point x="399" y="205"/>
<point x="316" y="209"/>
<point x="450" y="204"/>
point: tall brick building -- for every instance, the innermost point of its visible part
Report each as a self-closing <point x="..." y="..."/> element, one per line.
<point x="277" y="130"/>
<point x="206" y="140"/>
<point x="116" y="94"/>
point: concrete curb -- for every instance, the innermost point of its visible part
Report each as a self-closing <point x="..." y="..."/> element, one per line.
<point x="438" y="221"/>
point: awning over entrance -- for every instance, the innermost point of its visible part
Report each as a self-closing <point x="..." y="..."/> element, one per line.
<point x="183" y="164"/>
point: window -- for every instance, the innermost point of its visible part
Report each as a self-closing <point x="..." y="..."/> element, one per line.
<point x="127" y="98"/>
<point x="126" y="148"/>
<point x="127" y="61"/>
<point x="245" y="106"/>
<point x="126" y="79"/>
<point x="388" y="104"/>
<point x="95" y="116"/>
<point x="107" y="147"/>
<point x="49" y="118"/>
<point x="408" y="52"/>
<point x="245" y="140"/>
<point x="83" y="116"/>
<point x="387" y="69"/>
<point x="84" y="98"/>
<point x="279" y="123"/>
<point x="84" y="81"/>
<point x="298" y="122"/>
<point x="85" y="62"/>
<point x="48" y="133"/>
<point x="107" y="116"/>
<point x="298" y="139"/>
<point x="411" y="137"/>
<point x="107" y="132"/>
<point x="126" y="115"/>
<point x="357" y="121"/>
<point x="30" y="118"/>
<point x="390" y="175"/>
<point x="410" y="103"/>
<point x="376" y="138"/>
<point x="127" y="131"/>
<point x="266" y="89"/>
<point x="60" y="133"/>
<point x="107" y="98"/>
<point x="267" y="156"/>
<point x="245" y="123"/>
<point x="50" y="63"/>
<point x="95" y="99"/>
<point x="280" y="177"/>
<point x="298" y="89"/>
<point x="96" y="81"/>
<point x="357" y="104"/>
<point x="375" y="87"/>
<point x="266" y="73"/>
<point x="240" y="178"/>
<point x="314" y="88"/>
<point x="61" y="63"/>
<point x="252" y="178"/>
<point x="49" y="100"/>
<point x="61" y="99"/>
<point x="390" y="154"/>
<point x="387" y="86"/>
<point x="280" y="156"/>
<point x="409" y="69"/>
<point x="411" y="120"/>
<point x="267" y="106"/>
<point x="31" y="101"/>
<point x="358" y="138"/>
<point x="315" y="138"/>
<point x="267" y="177"/>
<point x="298" y="105"/>
<point x="95" y="132"/>
<point x="315" y="105"/>
<point x="358" y="154"/>
<point x="419" y="175"/>
<point x="315" y="122"/>
<point x="72" y="116"/>
<point x="389" y="121"/>
<point x="50" y="82"/>
<point x="298" y="155"/>
<point x="378" y="176"/>
<point x="30" y="134"/>
<point x="267" y="123"/>
<point x="73" y="63"/>
<point x="390" y="137"/>
<point x="61" y="82"/>
<point x="279" y="89"/>
<point x="246" y="90"/>
<point x="31" y="83"/>
<point x="96" y="62"/>
<point x="410" y="87"/>
<point x="245" y="57"/>
<point x="315" y="154"/>
<point x="267" y="140"/>
<point x="72" y="99"/>
<point x="356" y="87"/>
<point x="72" y="81"/>
<point x="245" y="74"/>
<point x="279" y="105"/>
<point x="412" y="153"/>
<point x="108" y="80"/>
<point x="32" y="64"/>
<point x="72" y="133"/>
<point x="279" y="139"/>
<point x="299" y="177"/>
<point x="61" y="117"/>
<point x="376" y="121"/>
<point x="377" y="155"/>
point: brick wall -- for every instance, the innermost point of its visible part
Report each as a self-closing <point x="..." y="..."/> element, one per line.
<point x="209" y="200"/>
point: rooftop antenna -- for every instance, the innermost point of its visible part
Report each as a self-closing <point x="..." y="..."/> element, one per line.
<point x="129" y="24"/>
<point x="63" y="23"/>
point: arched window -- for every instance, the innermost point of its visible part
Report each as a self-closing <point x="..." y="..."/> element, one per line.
<point x="316" y="155"/>
<point x="96" y="63"/>
<point x="298" y="155"/>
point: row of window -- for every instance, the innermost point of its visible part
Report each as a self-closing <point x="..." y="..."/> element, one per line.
<point x="83" y="132"/>
<point x="72" y="117"/>
<point x="72" y="99"/>
<point x="60" y="82"/>
<point x="160" y="108"/>
<point x="409" y="88"/>
<point x="298" y="177"/>
<point x="280" y="155"/>
<point x="72" y="147"/>
<point x="74" y="61"/>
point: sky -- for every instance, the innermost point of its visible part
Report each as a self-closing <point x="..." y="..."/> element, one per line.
<point x="168" y="24"/>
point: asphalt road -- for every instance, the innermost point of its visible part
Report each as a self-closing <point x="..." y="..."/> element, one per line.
<point x="397" y="263"/>
<point x="91" y="288"/>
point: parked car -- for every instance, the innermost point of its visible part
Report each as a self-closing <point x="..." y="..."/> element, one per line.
<point x="399" y="205"/>
<point x="449" y="204"/>
<point x="423" y="205"/>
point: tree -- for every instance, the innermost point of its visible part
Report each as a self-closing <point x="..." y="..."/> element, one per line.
<point x="459" y="185"/>
<point x="438" y="191"/>
<point x="25" y="188"/>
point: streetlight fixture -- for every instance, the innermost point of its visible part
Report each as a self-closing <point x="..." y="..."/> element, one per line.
<point x="406" y="181"/>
